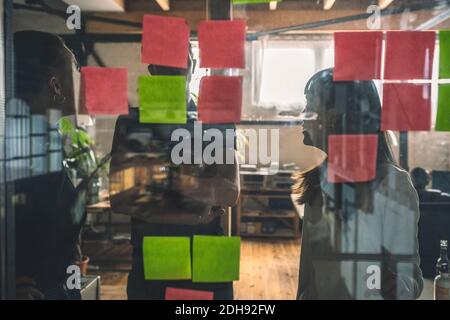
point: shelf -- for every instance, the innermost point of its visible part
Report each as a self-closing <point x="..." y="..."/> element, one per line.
<point x="292" y="215"/>
<point x="262" y="195"/>
<point x="280" y="233"/>
<point x="286" y="218"/>
<point x="247" y="190"/>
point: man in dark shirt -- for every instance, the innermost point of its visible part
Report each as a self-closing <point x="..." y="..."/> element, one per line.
<point x="49" y="209"/>
<point x="421" y="179"/>
<point x="167" y="199"/>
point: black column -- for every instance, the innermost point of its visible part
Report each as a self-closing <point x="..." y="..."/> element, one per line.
<point x="7" y="222"/>
<point x="219" y="9"/>
<point x="403" y="151"/>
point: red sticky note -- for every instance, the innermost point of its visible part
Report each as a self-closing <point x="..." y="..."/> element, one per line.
<point x="222" y="44"/>
<point x="357" y="55"/>
<point x="220" y="99"/>
<point x="184" y="294"/>
<point x="104" y="90"/>
<point x="406" y="107"/>
<point x="409" y="55"/>
<point x="165" y="41"/>
<point x="352" y="158"/>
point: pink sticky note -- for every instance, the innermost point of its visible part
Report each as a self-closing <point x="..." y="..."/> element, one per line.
<point x="104" y="90"/>
<point x="184" y="294"/>
<point x="409" y="55"/>
<point x="357" y="55"/>
<point x="406" y="107"/>
<point x="352" y="158"/>
<point x="165" y="41"/>
<point x="220" y="99"/>
<point x="222" y="44"/>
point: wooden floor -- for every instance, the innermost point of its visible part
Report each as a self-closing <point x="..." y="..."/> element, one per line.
<point x="269" y="270"/>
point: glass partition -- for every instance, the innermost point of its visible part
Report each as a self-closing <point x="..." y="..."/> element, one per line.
<point x="318" y="136"/>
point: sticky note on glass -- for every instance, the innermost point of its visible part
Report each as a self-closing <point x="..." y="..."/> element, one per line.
<point x="406" y="107"/>
<point x="185" y="294"/>
<point x="409" y="55"/>
<point x="222" y="44"/>
<point x="167" y="258"/>
<point x="216" y="259"/>
<point x="352" y="158"/>
<point x="443" y="112"/>
<point x="104" y="90"/>
<point x="357" y="55"/>
<point x="220" y="99"/>
<point x="162" y="99"/>
<point x="444" y="54"/>
<point x="165" y="41"/>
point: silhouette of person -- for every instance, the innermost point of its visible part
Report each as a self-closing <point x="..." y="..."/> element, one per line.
<point x="421" y="179"/>
<point x="359" y="240"/>
<point x="51" y="209"/>
<point x="167" y="199"/>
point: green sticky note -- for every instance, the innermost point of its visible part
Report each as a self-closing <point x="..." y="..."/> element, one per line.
<point x="444" y="54"/>
<point x="253" y="1"/>
<point x="216" y="259"/>
<point x="443" y="112"/>
<point x="162" y="99"/>
<point x="167" y="258"/>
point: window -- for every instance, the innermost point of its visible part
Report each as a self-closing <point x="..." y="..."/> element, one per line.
<point x="285" y="73"/>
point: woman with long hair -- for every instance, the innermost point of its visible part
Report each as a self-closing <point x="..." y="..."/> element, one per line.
<point x="359" y="239"/>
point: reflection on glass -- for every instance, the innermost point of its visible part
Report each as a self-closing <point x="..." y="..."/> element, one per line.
<point x="49" y="208"/>
<point x="167" y="197"/>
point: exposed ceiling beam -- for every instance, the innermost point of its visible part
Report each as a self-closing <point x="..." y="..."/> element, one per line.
<point x="258" y="20"/>
<point x="383" y="4"/>
<point x="273" y="5"/>
<point x="328" y="4"/>
<point x="164" y="4"/>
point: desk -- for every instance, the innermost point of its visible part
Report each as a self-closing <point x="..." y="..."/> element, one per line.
<point x="103" y="207"/>
<point x="428" y="290"/>
<point x="97" y="249"/>
<point x="90" y="288"/>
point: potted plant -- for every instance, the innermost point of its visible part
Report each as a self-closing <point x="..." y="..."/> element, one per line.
<point x="84" y="169"/>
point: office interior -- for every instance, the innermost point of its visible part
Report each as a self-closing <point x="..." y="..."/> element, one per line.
<point x="287" y="42"/>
